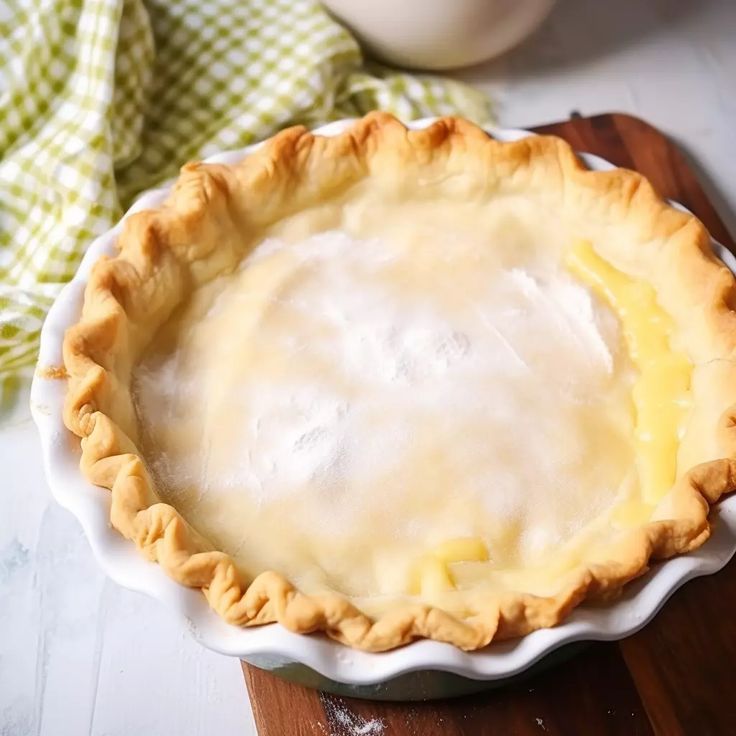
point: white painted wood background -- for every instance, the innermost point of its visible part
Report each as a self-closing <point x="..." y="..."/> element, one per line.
<point x="78" y="655"/>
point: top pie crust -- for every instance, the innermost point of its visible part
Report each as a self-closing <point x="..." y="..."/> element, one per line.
<point x="217" y="214"/>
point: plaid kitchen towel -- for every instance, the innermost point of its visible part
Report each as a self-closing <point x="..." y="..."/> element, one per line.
<point x="101" y="99"/>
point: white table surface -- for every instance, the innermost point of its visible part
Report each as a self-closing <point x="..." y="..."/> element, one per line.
<point x="79" y="654"/>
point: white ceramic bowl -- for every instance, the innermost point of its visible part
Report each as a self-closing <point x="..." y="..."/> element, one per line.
<point x="440" y="34"/>
<point x="273" y="646"/>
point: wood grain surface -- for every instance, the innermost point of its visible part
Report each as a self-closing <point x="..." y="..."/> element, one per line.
<point x="676" y="676"/>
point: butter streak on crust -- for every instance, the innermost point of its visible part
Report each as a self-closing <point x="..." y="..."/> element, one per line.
<point x="661" y="395"/>
<point x="216" y="213"/>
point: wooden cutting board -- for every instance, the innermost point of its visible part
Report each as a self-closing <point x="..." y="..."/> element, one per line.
<point x="676" y="676"/>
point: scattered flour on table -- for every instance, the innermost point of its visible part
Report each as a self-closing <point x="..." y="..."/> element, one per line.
<point x="343" y="722"/>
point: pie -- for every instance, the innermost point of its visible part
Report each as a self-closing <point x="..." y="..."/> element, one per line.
<point x="397" y="384"/>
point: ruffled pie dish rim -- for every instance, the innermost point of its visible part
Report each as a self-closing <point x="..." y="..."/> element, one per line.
<point x="47" y="360"/>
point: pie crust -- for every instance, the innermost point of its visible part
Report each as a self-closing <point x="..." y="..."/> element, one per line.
<point x="199" y="233"/>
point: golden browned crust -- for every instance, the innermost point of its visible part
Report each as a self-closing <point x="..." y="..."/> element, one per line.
<point x="201" y="231"/>
<point x="52" y="372"/>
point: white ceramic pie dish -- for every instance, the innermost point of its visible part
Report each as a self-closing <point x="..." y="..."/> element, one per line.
<point x="274" y="647"/>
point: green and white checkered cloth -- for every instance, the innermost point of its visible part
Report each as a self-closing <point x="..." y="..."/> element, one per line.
<point x="101" y="99"/>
